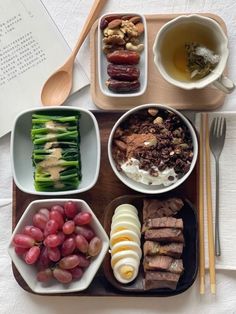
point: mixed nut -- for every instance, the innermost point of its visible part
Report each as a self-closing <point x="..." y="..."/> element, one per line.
<point x="122" y="46"/>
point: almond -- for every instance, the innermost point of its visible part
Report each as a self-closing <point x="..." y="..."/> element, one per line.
<point x="135" y="19"/>
<point x="140" y="28"/>
<point x="115" y="23"/>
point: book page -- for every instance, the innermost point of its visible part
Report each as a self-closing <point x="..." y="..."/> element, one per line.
<point x="31" y="49"/>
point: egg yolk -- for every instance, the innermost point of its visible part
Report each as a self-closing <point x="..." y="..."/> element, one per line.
<point x="120" y="239"/>
<point x="126" y="272"/>
<point x="123" y="248"/>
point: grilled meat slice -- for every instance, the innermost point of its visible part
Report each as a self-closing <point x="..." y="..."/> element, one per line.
<point x="155" y="248"/>
<point x="163" y="222"/>
<point x="164" y="263"/>
<point x="158" y="279"/>
<point x="154" y="208"/>
<point x="165" y="235"/>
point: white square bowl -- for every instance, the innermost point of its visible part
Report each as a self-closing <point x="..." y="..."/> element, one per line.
<point x="28" y="272"/>
<point x="21" y="150"/>
<point x="103" y="63"/>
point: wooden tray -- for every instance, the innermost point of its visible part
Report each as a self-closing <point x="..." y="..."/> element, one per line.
<point x="158" y="90"/>
<point x="107" y="188"/>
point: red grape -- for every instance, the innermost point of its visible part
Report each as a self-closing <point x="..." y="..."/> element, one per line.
<point x="83" y="261"/>
<point x="55" y="215"/>
<point x="51" y="227"/>
<point x="68" y="227"/>
<point x="61" y="236"/>
<point x="32" y="255"/>
<point x="82" y="218"/>
<point x="54" y="254"/>
<point x="58" y="208"/>
<point x="39" y="221"/>
<point x="20" y="250"/>
<point x="85" y="231"/>
<point x="81" y="243"/>
<point x="52" y="240"/>
<point x="62" y="275"/>
<point x="68" y="246"/>
<point x="69" y="262"/>
<point x="23" y="240"/>
<point x="76" y="272"/>
<point x="44" y="211"/>
<point x="95" y="246"/>
<point x="44" y="260"/>
<point x="70" y="209"/>
<point x="44" y="275"/>
<point x="33" y="232"/>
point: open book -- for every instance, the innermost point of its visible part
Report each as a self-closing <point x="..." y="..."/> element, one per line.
<point x="31" y="49"/>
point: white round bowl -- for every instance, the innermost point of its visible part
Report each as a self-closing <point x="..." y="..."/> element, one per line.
<point x="28" y="272"/>
<point x="140" y="187"/>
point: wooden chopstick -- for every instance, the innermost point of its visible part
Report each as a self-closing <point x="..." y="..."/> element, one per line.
<point x="201" y="209"/>
<point x="209" y="209"/>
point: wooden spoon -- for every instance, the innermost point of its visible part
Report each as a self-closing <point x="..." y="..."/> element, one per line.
<point x="58" y="86"/>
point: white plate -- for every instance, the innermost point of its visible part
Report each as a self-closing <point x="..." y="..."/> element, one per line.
<point x="21" y="151"/>
<point x="102" y="61"/>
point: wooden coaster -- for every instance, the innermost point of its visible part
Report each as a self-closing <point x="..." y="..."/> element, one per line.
<point x="158" y="90"/>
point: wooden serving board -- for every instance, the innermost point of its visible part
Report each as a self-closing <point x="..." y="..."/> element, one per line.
<point x="107" y="188"/>
<point x="158" y="90"/>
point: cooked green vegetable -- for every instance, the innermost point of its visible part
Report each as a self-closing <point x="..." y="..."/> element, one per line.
<point x="56" y="153"/>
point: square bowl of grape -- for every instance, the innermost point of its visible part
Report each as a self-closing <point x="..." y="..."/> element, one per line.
<point x="55" y="151"/>
<point x="58" y="246"/>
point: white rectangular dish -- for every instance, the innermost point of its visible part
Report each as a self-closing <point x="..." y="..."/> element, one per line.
<point x="103" y="63"/>
<point x="21" y="150"/>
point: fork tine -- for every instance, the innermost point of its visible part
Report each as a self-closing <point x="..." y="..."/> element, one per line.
<point x="217" y="127"/>
<point x="224" y="127"/>
<point x="212" y="131"/>
<point x="220" y="123"/>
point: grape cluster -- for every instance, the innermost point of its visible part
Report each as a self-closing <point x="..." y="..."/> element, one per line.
<point x="60" y="242"/>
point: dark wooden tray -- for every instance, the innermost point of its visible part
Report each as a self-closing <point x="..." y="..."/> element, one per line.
<point x="107" y="188"/>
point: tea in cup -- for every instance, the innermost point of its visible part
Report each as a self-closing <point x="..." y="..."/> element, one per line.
<point x="191" y="52"/>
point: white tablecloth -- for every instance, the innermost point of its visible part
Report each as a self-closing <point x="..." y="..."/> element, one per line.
<point x="70" y="16"/>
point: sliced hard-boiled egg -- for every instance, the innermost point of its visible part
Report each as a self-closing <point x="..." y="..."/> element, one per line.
<point x="130" y="207"/>
<point x="126" y="269"/>
<point x="124" y="235"/>
<point x="119" y="255"/>
<point x="126" y="217"/>
<point x="125" y="246"/>
<point x="125" y="225"/>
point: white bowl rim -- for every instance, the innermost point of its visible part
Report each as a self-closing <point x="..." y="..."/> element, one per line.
<point x="105" y="241"/>
<point x="106" y="92"/>
<point x="189" y="85"/>
<point x="59" y="193"/>
<point x="145" y="189"/>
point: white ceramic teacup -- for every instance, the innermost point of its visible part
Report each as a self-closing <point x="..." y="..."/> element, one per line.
<point x="215" y="77"/>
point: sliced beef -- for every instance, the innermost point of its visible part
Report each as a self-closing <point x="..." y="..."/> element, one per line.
<point x="154" y="208"/>
<point x="165" y="235"/>
<point x="158" y="279"/>
<point x="164" y="263"/>
<point x="156" y="248"/>
<point x="163" y="222"/>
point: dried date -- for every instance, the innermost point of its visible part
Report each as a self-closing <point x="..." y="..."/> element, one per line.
<point x="123" y="72"/>
<point x="123" y="57"/>
<point x="122" y="86"/>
